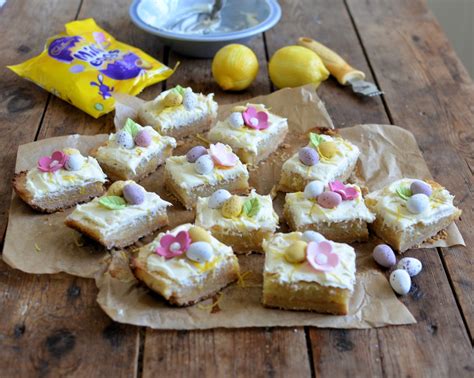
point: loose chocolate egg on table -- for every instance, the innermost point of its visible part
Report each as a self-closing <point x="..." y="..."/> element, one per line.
<point x="384" y="255"/>
<point x="195" y="153"/>
<point x="400" y="281"/>
<point x="418" y="203"/>
<point x="204" y="165"/>
<point x="124" y="139"/>
<point x="329" y="200"/>
<point x="314" y="236"/>
<point x="134" y="194"/>
<point x="218" y="198"/>
<point x="308" y="156"/>
<point x="421" y="187"/>
<point x="200" y="252"/>
<point x="411" y="265"/>
<point x="143" y="138"/>
<point x="74" y="162"/>
<point x="313" y="189"/>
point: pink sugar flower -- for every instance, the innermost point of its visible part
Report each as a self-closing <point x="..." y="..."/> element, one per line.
<point x="320" y="256"/>
<point x="172" y="246"/>
<point x="222" y="156"/>
<point x="52" y="163"/>
<point x="346" y="192"/>
<point x="255" y="120"/>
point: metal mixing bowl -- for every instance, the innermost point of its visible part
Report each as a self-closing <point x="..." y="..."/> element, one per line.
<point x="240" y="21"/>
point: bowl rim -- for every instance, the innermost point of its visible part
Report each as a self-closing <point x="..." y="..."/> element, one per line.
<point x="272" y="19"/>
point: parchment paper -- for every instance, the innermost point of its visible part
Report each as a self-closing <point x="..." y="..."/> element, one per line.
<point x="42" y="244"/>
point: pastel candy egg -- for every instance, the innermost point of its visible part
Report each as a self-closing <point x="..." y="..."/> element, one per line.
<point x="189" y="99"/>
<point x="296" y="252"/>
<point x="329" y="200"/>
<point x="173" y="98"/>
<point x="310" y="236"/>
<point x="195" y="153"/>
<point x="218" y="198"/>
<point x="71" y="151"/>
<point x="200" y="252"/>
<point x="124" y="139"/>
<point x="328" y="149"/>
<point x="199" y="234"/>
<point x="418" y="203"/>
<point x="313" y="189"/>
<point x="134" y="194"/>
<point x="384" y="256"/>
<point x="116" y="189"/>
<point x="308" y="156"/>
<point x="74" y="162"/>
<point x="239" y="108"/>
<point x="421" y="187"/>
<point x="236" y="120"/>
<point x="411" y="265"/>
<point x="143" y="138"/>
<point x="400" y="281"/>
<point x="204" y="165"/>
<point x="232" y="207"/>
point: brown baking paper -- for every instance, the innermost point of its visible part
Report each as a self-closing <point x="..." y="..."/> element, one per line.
<point x="42" y="244"/>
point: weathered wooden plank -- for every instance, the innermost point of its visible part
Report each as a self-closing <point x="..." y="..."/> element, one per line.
<point x="259" y="352"/>
<point x="22" y="103"/>
<point x="50" y="325"/>
<point x="271" y="352"/>
<point x="335" y="350"/>
<point x="428" y="90"/>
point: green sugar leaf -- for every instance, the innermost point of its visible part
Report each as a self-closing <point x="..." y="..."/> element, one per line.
<point x="113" y="202"/>
<point x="315" y="139"/>
<point x="179" y="89"/>
<point x="131" y="127"/>
<point x="251" y="207"/>
<point x="404" y="192"/>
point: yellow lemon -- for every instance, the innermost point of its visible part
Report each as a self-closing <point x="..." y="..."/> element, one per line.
<point x="292" y="66"/>
<point x="199" y="234"/>
<point x="296" y="252"/>
<point x="232" y="207"/>
<point x="327" y="149"/>
<point x="234" y="67"/>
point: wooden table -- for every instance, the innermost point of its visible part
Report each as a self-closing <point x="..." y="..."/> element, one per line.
<point x="50" y="325"/>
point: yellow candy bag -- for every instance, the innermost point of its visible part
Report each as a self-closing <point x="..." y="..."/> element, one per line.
<point x="86" y="65"/>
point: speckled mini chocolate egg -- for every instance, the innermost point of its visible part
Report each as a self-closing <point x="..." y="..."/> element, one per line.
<point x="328" y="149"/>
<point x="143" y="138"/>
<point x="134" y="194"/>
<point x="116" y="189"/>
<point x="124" y="139"/>
<point x="384" y="256"/>
<point x="418" y="203"/>
<point x="421" y="187"/>
<point x="311" y="235"/>
<point x="308" y="156"/>
<point x="173" y="98"/>
<point x="198" y="234"/>
<point x="296" y="252"/>
<point x="218" y="198"/>
<point x="200" y="252"/>
<point x="204" y="165"/>
<point x="195" y="153"/>
<point x="400" y="281"/>
<point x="236" y="120"/>
<point x="313" y="189"/>
<point x="190" y="99"/>
<point x="329" y="200"/>
<point x="74" y="162"/>
<point x="411" y="265"/>
<point x="232" y="207"/>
